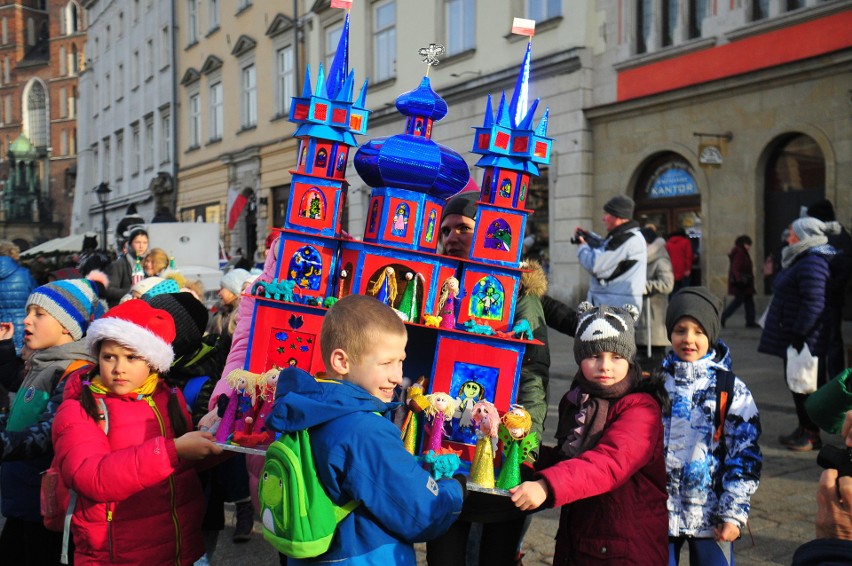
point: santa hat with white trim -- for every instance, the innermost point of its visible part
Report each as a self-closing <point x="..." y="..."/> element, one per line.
<point x="137" y="326"/>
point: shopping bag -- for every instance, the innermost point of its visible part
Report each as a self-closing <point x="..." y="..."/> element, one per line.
<point x="801" y="370"/>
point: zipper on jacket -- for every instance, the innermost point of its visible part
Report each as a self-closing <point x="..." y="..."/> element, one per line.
<point x="172" y="495"/>
<point x="109" y="531"/>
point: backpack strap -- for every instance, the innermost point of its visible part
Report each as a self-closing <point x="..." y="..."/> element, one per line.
<point x="724" y="397"/>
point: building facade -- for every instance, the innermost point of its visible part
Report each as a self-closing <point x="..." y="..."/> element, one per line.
<point x="237" y="72"/>
<point x="42" y="45"/>
<point x="127" y="114"/>
<point x="724" y="119"/>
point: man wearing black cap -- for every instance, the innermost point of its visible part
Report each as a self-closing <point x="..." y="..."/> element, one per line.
<point x="503" y="524"/>
<point x="617" y="266"/>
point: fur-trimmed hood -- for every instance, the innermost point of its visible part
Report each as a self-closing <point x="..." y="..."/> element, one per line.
<point x="533" y="279"/>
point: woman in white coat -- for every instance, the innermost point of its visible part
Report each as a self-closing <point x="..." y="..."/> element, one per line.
<point x="659" y="283"/>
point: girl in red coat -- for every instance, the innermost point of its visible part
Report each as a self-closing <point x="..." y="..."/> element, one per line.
<point x="122" y="445"/>
<point x="607" y="470"/>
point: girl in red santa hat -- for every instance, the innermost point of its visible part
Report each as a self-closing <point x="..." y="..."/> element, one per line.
<point x="123" y="445"/>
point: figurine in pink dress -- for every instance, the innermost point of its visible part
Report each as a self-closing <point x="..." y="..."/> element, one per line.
<point x="447" y="303"/>
<point x="441" y="408"/>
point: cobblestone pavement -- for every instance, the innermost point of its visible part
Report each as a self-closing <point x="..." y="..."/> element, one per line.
<point x="783" y="508"/>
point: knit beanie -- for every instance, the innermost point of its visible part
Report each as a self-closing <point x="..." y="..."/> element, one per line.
<point x="464" y="204"/>
<point x="190" y="317"/>
<point x="605" y="329"/>
<point x="73" y="303"/>
<point x="137" y="326"/>
<point x="146" y="285"/>
<point x="808" y="227"/>
<point x="620" y="206"/>
<point x="698" y="303"/>
<point x="163" y="286"/>
<point x="233" y="281"/>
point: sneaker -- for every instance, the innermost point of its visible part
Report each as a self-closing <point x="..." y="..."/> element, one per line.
<point x="792" y="438"/>
<point x="245" y="521"/>
<point x="807" y="442"/>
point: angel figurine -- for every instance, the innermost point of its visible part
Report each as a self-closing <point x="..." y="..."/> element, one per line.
<point x="447" y="303"/>
<point x="441" y="408"/>
<point x="518" y="442"/>
<point x="487" y="421"/>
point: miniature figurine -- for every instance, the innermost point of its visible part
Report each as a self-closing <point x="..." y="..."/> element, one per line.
<point x="441" y="408"/>
<point x="518" y="442"/>
<point x="470" y="393"/>
<point x="447" y="302"/>
<point x="487" y="421"/>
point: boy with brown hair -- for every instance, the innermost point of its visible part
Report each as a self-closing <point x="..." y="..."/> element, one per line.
<point x="357" y="449"/>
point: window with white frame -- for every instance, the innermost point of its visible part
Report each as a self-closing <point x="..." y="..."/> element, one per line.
<point x="217" y="115"/>
<point x="191" y="21"/>
<point x="644" y="23"/>
<point x="284" y="80"/>
<point x="194" y="130"/>
<point x="460" y="25"/>
<point x="35" y="113"/>
<point x="384" y="40"/>
<point x="149" y="59"/>
<point x="332" y="38"/>
<point x="73" y="61"/>
<point x="670" y="17"/>
<point x="106" y="162"/>
<point x="165" y="47"/>
<point x="541" y="10"/>
<point x="119" y="81"/>
<point x="135" y="148"/>
<point x="149" y="142"/>
<point x="698" y="10"/>
<point x="165" y="136"/>
<point x="248" y="87"/>
<point x="212" y="14"/>
<point x="119" y="155"/>
<point x="72" y="17"/>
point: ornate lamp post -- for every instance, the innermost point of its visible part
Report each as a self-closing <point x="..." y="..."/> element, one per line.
<point x="102" y="191"/>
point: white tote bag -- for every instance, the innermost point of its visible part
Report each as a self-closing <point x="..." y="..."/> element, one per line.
<point x="801" y="370"/>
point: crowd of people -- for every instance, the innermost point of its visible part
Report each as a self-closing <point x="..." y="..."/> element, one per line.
<point x="118" y="374"/>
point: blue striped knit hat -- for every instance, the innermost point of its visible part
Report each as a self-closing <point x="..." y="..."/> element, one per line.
<point x="72" y="302"/>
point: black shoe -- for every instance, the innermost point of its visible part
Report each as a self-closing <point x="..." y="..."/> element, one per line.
<point x="807" y="442"/>
<point x="792" y="438"/>
<point x="245" y="521"/>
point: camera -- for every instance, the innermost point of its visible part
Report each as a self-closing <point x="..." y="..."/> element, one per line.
<point x="578" y="233"/>
<point x="834" y="458"/>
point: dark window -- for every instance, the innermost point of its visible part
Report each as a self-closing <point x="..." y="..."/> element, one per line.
<point x="643" y="25"/>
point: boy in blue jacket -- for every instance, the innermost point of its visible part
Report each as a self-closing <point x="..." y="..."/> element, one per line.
<point x="357" y="449"/>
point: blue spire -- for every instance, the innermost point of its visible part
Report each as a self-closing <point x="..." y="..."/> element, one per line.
<point x="339" y="69"/>
<point x="518" y="106"/>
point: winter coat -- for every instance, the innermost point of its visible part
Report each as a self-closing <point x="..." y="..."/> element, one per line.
<point x="798" y="306"/>
<point x="658" y="285"/>
<point x="26" y="445"/>
<point x="614" y="494"/>
<point x="359" y="455"/>
<point x="617" y="268"/>
<point x="16" y="284"/>
<point x="137" y="503"/>
<point x="709" y="481"/>
<point x="680" y="252"/>
<point x="120" y="274"/>
<point x="740" y="272"/>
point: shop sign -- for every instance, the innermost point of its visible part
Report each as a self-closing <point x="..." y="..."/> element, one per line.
<point x="673" y="182"/>
<point x="709" y="155"/>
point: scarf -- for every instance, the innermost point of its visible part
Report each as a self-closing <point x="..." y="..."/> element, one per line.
<point x="147" y="388"/>
<point x="586" y="411"/>
<point x="790" y="253"/>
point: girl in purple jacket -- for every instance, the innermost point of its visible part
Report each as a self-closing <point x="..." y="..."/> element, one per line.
<point x="607" y="470"/>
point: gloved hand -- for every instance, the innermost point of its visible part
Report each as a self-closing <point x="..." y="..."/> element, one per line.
<point x="462" y="479"/>
<point x="797" y="342"/>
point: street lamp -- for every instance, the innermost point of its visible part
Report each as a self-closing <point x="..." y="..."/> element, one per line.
<point x="102" y="191"/>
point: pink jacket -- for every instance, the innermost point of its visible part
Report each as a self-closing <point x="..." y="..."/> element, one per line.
<point x="137" y="503"/>
<point x="615" y="493"/>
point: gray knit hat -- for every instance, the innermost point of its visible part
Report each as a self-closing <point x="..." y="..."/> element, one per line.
<point x="620" y="206"/>
<point x="233" y="280"/>
<point x="73" y="303"/>
<point x="809" y="227"/>
<point x="605" y="329"/>
<point x="464" y="203"/>
<point x="698" y="303"/>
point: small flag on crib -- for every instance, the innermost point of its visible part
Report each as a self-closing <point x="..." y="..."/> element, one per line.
<point x="345" y="4"/>
<point x="521" y="26"/>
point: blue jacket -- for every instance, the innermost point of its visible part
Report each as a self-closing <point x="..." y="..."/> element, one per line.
<point x="708" y="481"/>
<point x="16" y="284"/>
<point x="359" y="455"/>
<point x="799" y="304"/>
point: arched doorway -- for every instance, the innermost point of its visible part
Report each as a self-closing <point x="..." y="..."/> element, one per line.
<point x="667" y="197"/>
<point x="794" y="178"/>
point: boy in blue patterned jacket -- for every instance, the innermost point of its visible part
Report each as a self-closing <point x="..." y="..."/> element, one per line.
<point x="712" y="471"/>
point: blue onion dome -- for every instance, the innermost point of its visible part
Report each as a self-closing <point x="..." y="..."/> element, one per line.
<point x="412" y="160"/>
<point x="422" y="101"/>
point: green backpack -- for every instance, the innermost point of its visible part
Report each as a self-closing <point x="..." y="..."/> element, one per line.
<point x="299" y="519"/>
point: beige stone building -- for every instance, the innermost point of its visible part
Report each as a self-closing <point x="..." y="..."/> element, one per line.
<point x="236" y="74"/>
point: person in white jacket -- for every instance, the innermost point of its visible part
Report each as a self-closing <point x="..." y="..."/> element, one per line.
<point x="617" y="265"/>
